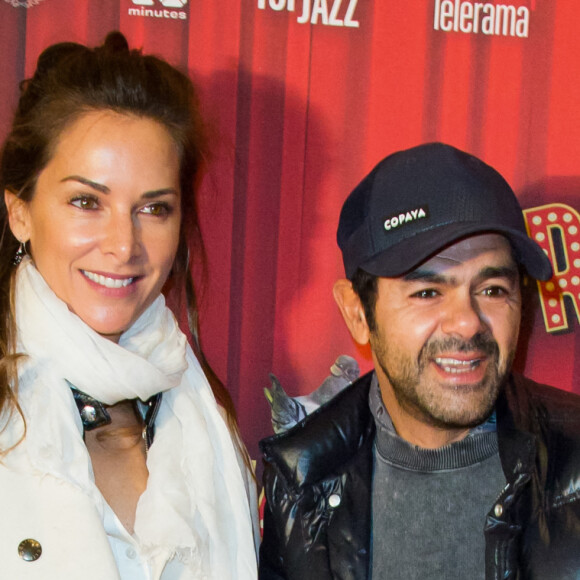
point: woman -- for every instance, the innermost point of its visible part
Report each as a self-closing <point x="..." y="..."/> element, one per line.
<point x="116" y="459"/>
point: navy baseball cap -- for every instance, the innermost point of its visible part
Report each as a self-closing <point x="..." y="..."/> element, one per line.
<point x="418" y="201"/>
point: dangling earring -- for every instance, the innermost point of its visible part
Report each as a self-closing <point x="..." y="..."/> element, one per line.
<point x="20" y="253"/>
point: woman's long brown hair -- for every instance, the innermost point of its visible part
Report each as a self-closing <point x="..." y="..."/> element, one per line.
<point x="72" y="80"/>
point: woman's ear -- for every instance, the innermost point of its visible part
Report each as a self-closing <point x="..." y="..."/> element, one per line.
<point x="352" y="310"/>
<point x="18" y="216"/>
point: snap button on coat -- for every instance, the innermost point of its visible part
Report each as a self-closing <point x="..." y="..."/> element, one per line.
<point x="334" y="500"/>
<point x="29" y="550"/>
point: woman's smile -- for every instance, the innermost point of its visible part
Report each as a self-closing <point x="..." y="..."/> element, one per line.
<point x="108" y="281"/>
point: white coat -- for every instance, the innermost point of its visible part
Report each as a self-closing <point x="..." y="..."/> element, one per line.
<point x="62" y="519"/>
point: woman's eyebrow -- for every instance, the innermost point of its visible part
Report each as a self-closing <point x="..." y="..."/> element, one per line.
<point x="93" y="184"/>
<point x="159" y="192"/>
<point x="104" y="189"/>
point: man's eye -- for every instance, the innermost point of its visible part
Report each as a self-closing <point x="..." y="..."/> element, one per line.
<point x="494" y="291"/>
<point x="85" y="202"/>
<point x="427" y="293"/>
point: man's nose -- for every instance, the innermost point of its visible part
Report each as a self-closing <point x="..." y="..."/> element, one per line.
<point x="462" y="316"/>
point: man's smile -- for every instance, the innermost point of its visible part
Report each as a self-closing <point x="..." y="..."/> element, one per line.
<point x="456" y="366"/>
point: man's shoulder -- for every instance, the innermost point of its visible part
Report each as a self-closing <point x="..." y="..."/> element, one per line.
<point x="552" y="417"/>
<point x="325" y="438"/>
<point x="539" y="402"/>
<point x="543" y="410"/>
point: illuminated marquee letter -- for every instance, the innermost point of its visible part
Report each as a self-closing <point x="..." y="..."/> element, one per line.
<point x="542" y="222"/>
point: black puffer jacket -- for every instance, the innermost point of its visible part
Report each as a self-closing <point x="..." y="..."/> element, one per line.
<point x="318" y="490"/>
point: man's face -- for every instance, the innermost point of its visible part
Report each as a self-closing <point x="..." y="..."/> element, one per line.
<point x="446" y="334"/>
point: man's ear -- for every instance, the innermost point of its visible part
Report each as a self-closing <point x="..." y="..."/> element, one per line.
<point x="352" y="310"/>
<point x="18" y="216"/>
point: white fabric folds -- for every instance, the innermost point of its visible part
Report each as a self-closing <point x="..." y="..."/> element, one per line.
<point x="195" y="506"/>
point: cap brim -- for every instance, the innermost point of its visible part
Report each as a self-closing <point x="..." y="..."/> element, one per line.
<point x="411" y="252"/>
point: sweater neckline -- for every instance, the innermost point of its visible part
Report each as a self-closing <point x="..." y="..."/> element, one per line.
<point x="480" y="444"/>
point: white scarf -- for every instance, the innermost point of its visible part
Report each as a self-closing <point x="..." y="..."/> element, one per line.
<point x="195" y="506"/>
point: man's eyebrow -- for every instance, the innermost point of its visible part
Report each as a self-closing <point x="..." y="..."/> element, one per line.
<point x="509" y="272"/>
<point x="425" y="276"/>
<point x="104" y="189"/>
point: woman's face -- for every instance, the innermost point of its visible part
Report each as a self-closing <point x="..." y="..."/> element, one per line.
<point x="104" y="220"/>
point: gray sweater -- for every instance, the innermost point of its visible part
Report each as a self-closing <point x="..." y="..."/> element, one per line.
<point x="429" y="505"/>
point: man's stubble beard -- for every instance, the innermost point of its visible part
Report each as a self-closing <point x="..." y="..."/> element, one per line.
<point x="431" y="403"/>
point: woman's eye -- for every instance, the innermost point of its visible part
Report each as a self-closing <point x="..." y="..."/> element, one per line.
<point x="85" y="202"/>
<point x="157" y="209"/>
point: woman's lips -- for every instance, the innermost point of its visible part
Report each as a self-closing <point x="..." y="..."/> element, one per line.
<point x="108" y="281"/>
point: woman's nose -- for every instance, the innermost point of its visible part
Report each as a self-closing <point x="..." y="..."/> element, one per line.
<point x="122" y="237"/>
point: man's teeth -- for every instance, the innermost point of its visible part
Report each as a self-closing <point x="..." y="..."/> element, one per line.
<point x="108" y="282"/>
<point x="454" y="366"/>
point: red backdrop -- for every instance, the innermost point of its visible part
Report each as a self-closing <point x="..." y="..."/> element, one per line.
<point x="305" y="97"/>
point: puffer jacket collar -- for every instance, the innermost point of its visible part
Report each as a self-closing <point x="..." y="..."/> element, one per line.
<point x="313" y="449"/>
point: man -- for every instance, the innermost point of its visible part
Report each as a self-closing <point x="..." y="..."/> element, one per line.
<point x="441" y="464"/>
